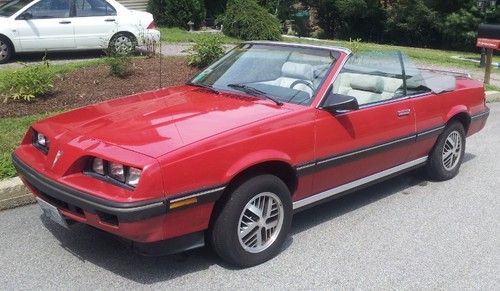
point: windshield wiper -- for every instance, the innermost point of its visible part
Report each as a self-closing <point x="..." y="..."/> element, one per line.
<point x="204" y="86"/>
<point x="254" y="91"/>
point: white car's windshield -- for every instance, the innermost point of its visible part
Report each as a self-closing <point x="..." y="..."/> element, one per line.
<point x="8" y="9"/>
<point x="282" y="73"/>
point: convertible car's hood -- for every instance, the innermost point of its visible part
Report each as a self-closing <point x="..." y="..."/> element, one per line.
<point x="155" y="123"/>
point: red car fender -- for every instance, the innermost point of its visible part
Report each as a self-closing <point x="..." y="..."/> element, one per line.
<point x="455" y="110"/>
<point x="256" y="158"/>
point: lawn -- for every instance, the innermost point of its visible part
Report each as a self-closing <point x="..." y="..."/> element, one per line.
<point x="178" y="35"/>
<point x="12" y="131"/>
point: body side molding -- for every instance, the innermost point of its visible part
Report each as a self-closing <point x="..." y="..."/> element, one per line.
<point x="357" y="183"/>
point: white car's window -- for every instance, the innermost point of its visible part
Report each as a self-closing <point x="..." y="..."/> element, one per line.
<point x="285" y="73"/>
<point x="87" y="8"/>
<point x="10" y="8"/>
<point x="49" y="9"/>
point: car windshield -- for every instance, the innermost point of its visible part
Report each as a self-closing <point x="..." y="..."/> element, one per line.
<point x="8" y="9"/>
<point x="281" y="73"/>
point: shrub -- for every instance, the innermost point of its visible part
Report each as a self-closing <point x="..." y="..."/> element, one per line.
<point x="246" y="19"/>
<point x="177" y="13"/>
<point x="29" y="82"/>
<point x="119" y="65"/>
<point x="205" y="51"/>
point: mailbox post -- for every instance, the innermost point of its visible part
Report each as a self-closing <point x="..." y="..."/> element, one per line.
<point x="489" y="39"/>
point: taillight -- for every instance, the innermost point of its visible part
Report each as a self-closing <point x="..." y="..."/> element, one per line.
<point x="152" y="25"/>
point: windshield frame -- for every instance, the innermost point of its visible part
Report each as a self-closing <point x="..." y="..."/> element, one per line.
<point x="27" y="4"/>
<point x="335" y="53"/>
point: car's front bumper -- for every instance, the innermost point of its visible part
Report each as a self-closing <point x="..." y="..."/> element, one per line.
<point x="148" y="226"/>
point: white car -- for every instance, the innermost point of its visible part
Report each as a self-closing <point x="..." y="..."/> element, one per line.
<point x="62" y="25"/>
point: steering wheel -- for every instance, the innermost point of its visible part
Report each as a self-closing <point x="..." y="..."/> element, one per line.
<point x="304" y="82"/>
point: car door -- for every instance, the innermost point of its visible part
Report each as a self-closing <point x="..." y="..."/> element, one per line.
<point x="95" y="22"/>
<point x="351" y="145"/>
<point x="46" y="25"/>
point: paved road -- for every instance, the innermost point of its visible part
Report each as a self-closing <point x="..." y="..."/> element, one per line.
<point x="405" y="233"/>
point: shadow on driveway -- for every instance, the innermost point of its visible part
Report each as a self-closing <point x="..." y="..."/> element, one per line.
<point x="105" y="251"/>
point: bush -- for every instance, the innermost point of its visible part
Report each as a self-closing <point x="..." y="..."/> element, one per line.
<point x="247" y="20"/>
<point x="205" y="51"/>
<point x="177" y="13"/>
<point x="119" y="65"/>
<point x="30" y="82"/>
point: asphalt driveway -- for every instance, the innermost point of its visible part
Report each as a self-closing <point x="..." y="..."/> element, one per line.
<point x="405" y="233"/>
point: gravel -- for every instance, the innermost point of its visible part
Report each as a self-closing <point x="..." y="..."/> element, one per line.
<point x="405" y="233"/>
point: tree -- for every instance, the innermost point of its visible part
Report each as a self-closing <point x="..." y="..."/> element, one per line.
<point x="215" y="7"/>
<point x="177" y="13"/>
<point x="411" y="22"/>
<point x="245" y="19"/>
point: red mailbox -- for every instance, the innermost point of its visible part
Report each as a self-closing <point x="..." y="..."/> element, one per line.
<point x="488" y="37"/>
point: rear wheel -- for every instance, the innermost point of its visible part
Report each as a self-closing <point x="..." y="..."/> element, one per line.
<point x="122" y="43"/>
<point x="254" y="223"/>
<point x="447" y="155"/>
<point x="6" y="50"/>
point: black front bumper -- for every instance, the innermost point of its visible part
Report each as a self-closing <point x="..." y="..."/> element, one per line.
<point x="64" y="196"/>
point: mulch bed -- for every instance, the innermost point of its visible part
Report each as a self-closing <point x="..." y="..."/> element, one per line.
<point x="93" y="84"/>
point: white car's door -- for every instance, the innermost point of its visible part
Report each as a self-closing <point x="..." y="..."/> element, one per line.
<point x="46" y="26"/>
<point x="95" y="22"/>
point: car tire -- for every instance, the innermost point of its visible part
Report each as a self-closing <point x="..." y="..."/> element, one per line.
<point x="245" y="233"/>
<point x="6" y="50"/>
<point x="448" y="153"/>
<point x="122" y="43"/>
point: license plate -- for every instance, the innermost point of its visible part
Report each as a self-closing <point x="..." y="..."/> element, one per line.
<point x="52" y="213"/>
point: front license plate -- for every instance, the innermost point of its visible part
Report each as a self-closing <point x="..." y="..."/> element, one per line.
<point x="52" y="212"/>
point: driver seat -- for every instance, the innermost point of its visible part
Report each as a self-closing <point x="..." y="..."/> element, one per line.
<point x="292" y="72"/>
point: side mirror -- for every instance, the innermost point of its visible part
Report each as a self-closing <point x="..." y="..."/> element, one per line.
<point x="25" y="16"/>
<point x="336" y="103"/>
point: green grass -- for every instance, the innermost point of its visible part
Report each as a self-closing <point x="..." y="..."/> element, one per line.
<point x="12" y="130"/>
<point x="176" y="35"/>
<point x="489" y="87"/>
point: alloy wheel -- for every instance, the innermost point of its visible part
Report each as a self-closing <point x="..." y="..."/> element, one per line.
<point x="452" y="150"/>
<point x="260" y="222"/>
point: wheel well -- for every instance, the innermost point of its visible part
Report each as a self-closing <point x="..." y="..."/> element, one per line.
<point x="11" y="44"/>
<point x="279" y="169"/>
<point x="126" y="33"/>
<point x="463" y="118"/>
<point x="282" y="170"/>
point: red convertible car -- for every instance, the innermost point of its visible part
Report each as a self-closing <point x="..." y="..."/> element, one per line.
<point x="227" y="158"/>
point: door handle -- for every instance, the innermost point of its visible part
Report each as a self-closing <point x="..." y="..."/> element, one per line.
<point x="404" y="112"/>
<point x="64" y="22"/>
<point x="110" y="20"/>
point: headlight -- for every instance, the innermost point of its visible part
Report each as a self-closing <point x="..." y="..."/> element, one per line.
<point x="115" y="172"/>
<point x="40" y="141"/>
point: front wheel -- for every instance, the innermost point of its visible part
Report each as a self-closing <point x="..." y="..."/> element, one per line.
<point x="6" y="50"/>
<point x="254" y="223"/>
<point x="447" y="155"/>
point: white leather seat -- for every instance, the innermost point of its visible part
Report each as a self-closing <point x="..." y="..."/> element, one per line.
<point x="292" y="72"/>
<point x="366" y="88"/>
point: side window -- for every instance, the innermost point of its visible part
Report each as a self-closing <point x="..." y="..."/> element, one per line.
<point x="371" y="77"/>
<point x="88" y="8"/>
<point x="47" y="9"/>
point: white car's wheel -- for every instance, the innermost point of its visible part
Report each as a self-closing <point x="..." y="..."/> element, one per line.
<point x="6" y="50"/>
<point x="123" y="43"/>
